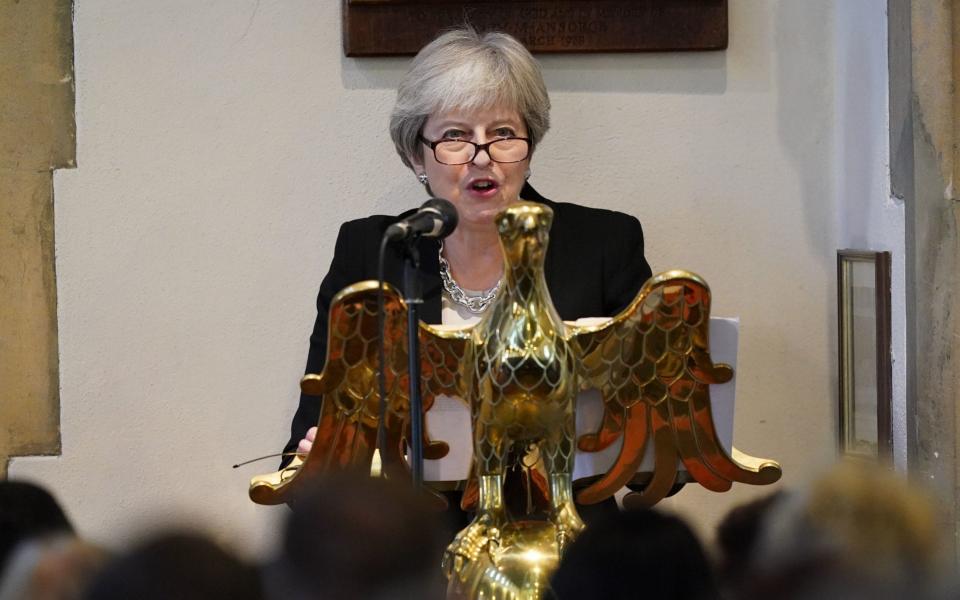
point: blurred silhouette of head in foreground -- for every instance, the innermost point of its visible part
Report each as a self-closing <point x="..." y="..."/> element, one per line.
<point x="860" y="531"/>
<point x="27" y="511"/>
<point x="635" y="554"/>
<point x="353" y="536"/>
<point x="186" y="566"/>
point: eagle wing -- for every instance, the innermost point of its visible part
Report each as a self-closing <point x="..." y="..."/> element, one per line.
<point x="653" y="367"/>
<point x="349" y="392"/>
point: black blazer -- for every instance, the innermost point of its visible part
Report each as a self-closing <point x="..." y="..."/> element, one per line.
<point x="594" y="268"/>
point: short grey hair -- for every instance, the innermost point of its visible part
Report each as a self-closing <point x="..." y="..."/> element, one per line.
<point x="463" y="69"/>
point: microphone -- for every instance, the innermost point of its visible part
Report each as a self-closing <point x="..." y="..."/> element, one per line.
<point x="437" y="218"/>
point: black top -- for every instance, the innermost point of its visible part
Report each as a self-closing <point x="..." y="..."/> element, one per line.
<point x="594" y="268"/>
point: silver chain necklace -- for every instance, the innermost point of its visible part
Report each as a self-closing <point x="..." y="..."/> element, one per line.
<point x="475" y="304"/>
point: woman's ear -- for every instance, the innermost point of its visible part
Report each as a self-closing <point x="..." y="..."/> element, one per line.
<point x="416" y="163"/>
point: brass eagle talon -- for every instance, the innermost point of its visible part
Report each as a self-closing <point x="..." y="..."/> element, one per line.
<point x="479" y="538"/>
<point x="566" y="533"/>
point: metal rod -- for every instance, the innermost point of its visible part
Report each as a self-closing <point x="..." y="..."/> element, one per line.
<point x="413" y="296"/>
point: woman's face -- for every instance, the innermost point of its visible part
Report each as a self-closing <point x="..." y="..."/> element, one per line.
<point x="482" y="188"/>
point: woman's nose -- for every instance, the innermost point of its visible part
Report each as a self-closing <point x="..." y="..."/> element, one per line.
<point x="482" y="158"/>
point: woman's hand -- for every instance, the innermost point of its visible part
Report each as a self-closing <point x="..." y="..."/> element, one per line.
<point x="307" y="442"/>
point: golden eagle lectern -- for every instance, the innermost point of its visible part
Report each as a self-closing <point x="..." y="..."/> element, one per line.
<point x="520" y="369"/>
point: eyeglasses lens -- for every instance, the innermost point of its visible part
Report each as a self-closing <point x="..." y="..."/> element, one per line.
<point x="455" y="152"/>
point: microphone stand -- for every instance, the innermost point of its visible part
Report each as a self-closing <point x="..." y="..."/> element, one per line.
<point x="413" y="296"/>
<point x="436" y="218"/>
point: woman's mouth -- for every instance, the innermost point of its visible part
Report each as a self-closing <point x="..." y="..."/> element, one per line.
<point x="483" y="187"/>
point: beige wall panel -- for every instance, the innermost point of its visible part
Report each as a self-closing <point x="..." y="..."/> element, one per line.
<point x="29" y="402"/>
<point x="37" y="135"/>
<point x="37" y="130"/>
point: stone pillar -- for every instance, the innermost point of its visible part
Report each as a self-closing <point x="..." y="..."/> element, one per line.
<point x="924" y="51"/>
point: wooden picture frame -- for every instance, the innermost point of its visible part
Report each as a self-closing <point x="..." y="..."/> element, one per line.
<point x="865" y="368"/>
<point x="402" y="27"/>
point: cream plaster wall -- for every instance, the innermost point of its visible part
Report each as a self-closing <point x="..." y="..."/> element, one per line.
<point x="221" y="144"/>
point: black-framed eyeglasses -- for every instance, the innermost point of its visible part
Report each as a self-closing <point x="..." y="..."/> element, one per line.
<point x="461" y="152"/>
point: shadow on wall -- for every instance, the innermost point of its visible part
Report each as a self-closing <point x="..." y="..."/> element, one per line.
<point x="804" y="71"/>
<point x="861" y="127"/>
<point x="803" y="86"/>
<point x="678" y="73"/>
<point x="669" y="72"/>
<point x="695" y="73"/>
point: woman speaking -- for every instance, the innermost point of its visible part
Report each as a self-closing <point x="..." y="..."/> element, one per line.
<point x="469" y="115"/>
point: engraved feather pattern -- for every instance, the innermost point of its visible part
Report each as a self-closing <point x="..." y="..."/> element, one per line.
<point x="348" y="391"/>
<point x="520" y="369"/>
<point x="652" y="365"/>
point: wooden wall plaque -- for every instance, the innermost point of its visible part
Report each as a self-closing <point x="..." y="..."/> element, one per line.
<point x="402" y="27"/>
